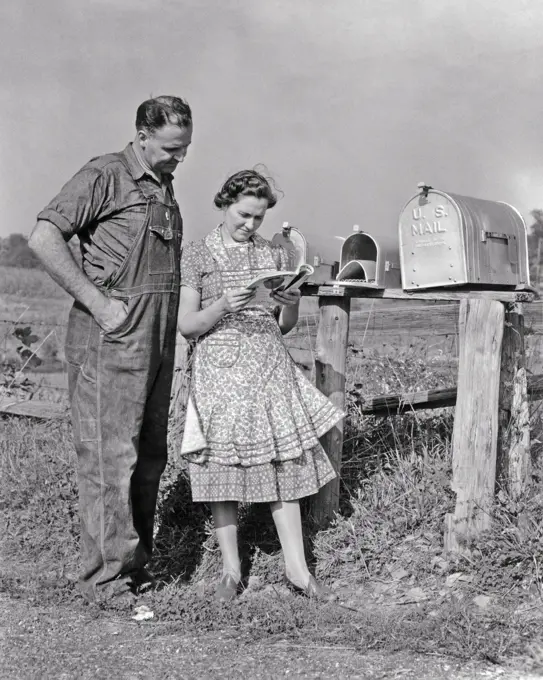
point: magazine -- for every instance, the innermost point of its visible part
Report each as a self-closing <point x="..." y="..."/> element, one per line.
<point x="280" y="280"/>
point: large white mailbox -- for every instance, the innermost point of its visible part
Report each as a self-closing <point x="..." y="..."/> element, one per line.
<point x="451" y="240"/>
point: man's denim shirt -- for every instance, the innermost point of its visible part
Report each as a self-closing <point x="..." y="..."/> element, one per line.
<point x="103" y="206"/>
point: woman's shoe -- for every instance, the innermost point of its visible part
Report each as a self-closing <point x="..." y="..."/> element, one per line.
<point x="227" y="589"/>
<point x="313" y="589"/>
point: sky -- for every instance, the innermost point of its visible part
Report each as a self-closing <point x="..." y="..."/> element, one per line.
<point x="349" y="104"/>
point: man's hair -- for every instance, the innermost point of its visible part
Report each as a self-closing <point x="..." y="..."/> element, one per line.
<point x="155" y="113"/>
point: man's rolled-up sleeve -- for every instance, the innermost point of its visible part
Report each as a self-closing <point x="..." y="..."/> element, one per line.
<point x="80" y="202"/>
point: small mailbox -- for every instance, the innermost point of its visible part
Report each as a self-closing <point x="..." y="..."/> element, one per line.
<point x="294" y="242"/>
<point x="301" y="252"/>
<point x="367" y="262"/>
<point x="451" y="240"/>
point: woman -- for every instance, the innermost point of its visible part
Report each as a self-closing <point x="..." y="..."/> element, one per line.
<point x="253" y="420"/>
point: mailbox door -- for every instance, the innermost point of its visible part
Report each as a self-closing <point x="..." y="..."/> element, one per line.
<point x="432" y="242"/>
<point x="358" y="270"/>
<point x="522" y="241"/>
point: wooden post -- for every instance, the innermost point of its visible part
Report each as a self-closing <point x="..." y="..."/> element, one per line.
<point x="513" y="463"/>
<point x="330" y="360"/>
<point x="475" y="432"/>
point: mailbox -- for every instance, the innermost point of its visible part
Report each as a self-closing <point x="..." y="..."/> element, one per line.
<point x="452" y="240"/>
<point x="368" y="262"/>
<point x="295" y="242"/>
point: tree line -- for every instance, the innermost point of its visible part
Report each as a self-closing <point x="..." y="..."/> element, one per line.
<point x="535" y="248"/>
<point x="14" y="252"/>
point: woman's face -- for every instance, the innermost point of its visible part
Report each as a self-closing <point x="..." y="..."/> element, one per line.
<point x="243" y="218"/>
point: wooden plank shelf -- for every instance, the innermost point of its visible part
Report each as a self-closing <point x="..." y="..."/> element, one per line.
<point x="354" y="290"/>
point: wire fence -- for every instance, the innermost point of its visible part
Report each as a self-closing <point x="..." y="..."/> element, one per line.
<point x="23" y="322"/>
<point x="429" y="329"/>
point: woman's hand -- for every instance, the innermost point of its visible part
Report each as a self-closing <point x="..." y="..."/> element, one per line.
<point x="287" y="297"/>
<point x="236" y="299"/>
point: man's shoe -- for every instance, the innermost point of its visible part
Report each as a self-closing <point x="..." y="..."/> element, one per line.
<point x="143" y="581"/>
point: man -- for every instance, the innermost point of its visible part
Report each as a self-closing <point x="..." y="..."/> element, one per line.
<point x="121" y="336"/>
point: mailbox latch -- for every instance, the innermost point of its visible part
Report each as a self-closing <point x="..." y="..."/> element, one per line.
<point x="511" y="242"/>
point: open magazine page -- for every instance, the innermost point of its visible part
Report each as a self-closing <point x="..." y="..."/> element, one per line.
<point x="270" y="279"/>
<point x="281" y="280"/>
<point x="264" y="283"/>
<point x="267" y="282"/>
<point x="303" y="272"/>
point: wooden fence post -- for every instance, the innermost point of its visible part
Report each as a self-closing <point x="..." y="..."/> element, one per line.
<point x="330" y="360"/>
<point x="513" y="462"/>
<point x="475" y="433"/>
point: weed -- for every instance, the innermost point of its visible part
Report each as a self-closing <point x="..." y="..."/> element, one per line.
<point x="394" y="522"/>
<point x="38" y="498"/>
<point x="399" y="508"/>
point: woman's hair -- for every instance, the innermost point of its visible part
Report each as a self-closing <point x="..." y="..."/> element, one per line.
<point x="154" y="114"/>
<point x="245" y="183"/>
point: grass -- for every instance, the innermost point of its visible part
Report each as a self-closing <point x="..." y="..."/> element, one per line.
<point x="38" y="497"/>
<point x="384" y="552"/>
<point x="385" y="548"/>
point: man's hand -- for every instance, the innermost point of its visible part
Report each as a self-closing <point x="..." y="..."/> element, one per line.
<point x="112" y="314"/>
<point x="287" y="297"/>
<point x="235" y="300"/>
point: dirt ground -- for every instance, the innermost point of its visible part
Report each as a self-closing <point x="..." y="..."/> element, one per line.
<point x="70" y="643"/>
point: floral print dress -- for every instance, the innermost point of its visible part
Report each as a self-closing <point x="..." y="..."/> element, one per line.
<point x="253" y="419"/>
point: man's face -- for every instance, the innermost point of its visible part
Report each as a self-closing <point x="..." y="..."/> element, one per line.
<point x="166" y="147"/>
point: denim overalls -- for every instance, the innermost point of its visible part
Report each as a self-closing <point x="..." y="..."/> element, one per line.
<point x="119" y="385"/>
